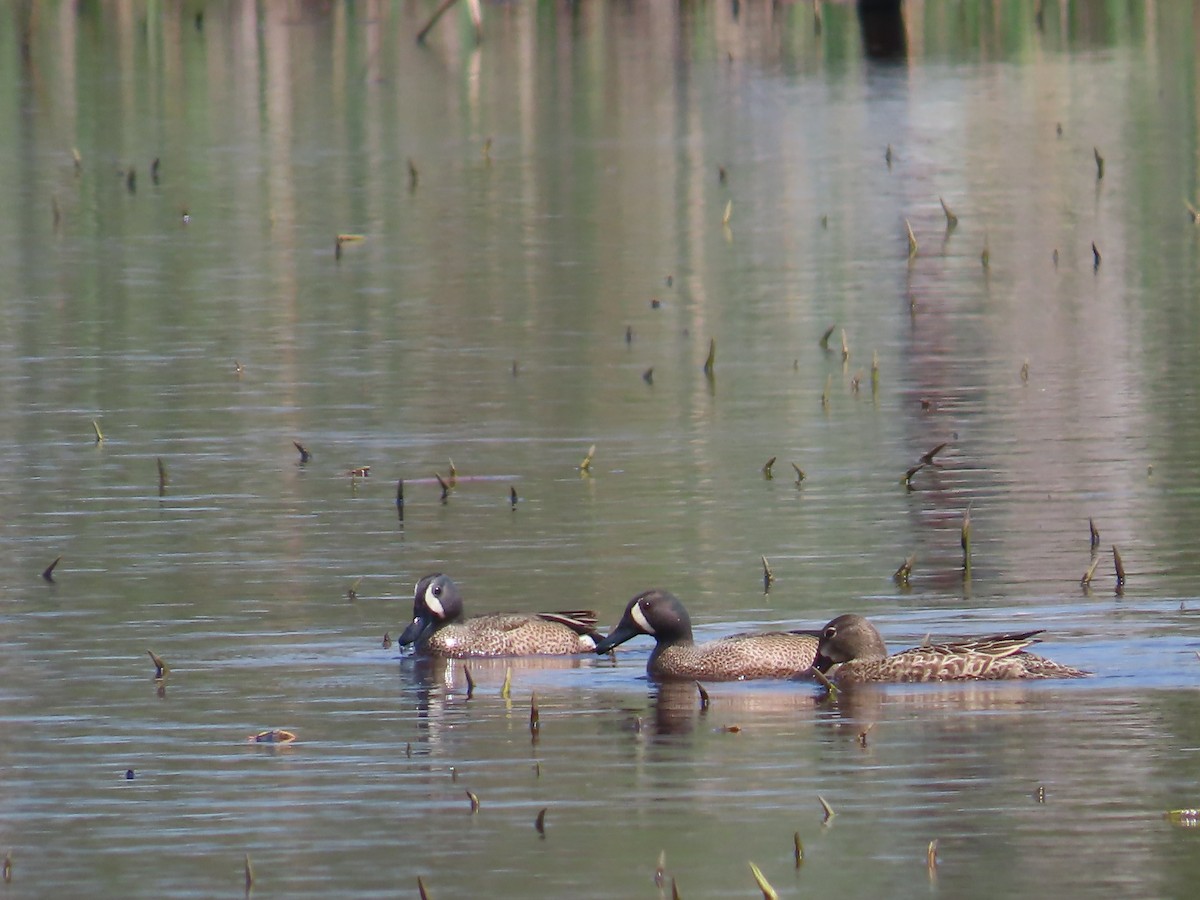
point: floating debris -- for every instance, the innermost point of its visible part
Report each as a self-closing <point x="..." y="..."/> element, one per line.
<point x="512" y="497"/>
<point x="1040" y="794"/>
<point x="1094" y="533"/>
<point x="1099" y="163"/>
<point x="800" y="476"/>
<point x="99" y="433"/>
<point x="161" y="669"/>
<point x="951" y="218"/>
<point x="48" y="572"/>
<point x="703" y="697"/>
<point x="731" y="729"/>
<point x="824" y="342"/>
<point x="359" y="472"/>
<point x="711" y="361"/>
<point x="540" y="822"/>
<point x="912" y="239"/>
<point x="768" y="575"/>
<point x="474" y="802"/>
<point x="766" y="469"/>
<point x="1120" y="568"/>
<point x="768" y="892"/>
<point x="901" y="575"/>
<point x="586" y="465"/>
<point x="305" y="456"/>
<point x="387" y="640"/>
<point x="829" y="813"/>
<point x="274" y="736"/>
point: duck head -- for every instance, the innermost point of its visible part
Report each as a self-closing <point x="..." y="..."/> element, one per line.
<point x="848" y="637"/>
<point x="436" y="601"/>
<point x="654" y="612"/>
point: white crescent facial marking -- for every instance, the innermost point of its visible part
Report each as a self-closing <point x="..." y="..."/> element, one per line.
<point x="635" y="613"/>
<point x="434" y="604"/>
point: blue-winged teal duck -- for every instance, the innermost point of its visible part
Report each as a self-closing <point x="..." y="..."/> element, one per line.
<point x="439" y="627"/>
<point x="779" y="654"/>
<point x="852" y="644"/>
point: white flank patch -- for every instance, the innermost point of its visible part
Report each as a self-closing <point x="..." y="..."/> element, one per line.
<point x="635" y="612"/>
<point x="434" y="604"/>
<point x="587" y="642"/>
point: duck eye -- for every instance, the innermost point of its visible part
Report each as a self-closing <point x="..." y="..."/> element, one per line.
<point x="830" y="632"/>
<point x="437" y="590"/>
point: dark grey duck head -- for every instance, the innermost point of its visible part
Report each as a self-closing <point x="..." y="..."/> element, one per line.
<point x="656" y="613"/>
<point x="436" y="601"/>
<point x="848" y="637"/>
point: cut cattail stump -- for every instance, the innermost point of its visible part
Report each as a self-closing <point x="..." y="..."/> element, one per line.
<point x="99" y="433"/>
<point x="161" y="669"/>
<point x="829" y="813"/>
<point x="1094" y="533"/>
<point x="1087" y="576"/>
<point x="824" y="342"/>
<point x="1120" y="568"/>
<point x="768" y="892"/>
<point x="951" y="218"/>
<point x="474" y="802"/>
<point x="305" y="456"/>
<point x="862" y="736"/>
<point x="931" y="858"/>
<point x="1099" y="163"/>
<point x="586" y="465"/>
<point x="800" y="476"/>
<point x="711" y="361"/>
<point x="445" y="487"/>
<point x="248" y="871"/>
<point x="768" y="575"/>
<point x="797" y="849"/>
<point x="912" y="239"/>
<point x="470" y="681"/>
<point x="540" y="822"/>
<point x="512" y="497"/>
<point x="48" y="572"/>
<point x="535" y="718"/>
<point x="1095" y="257"/>
<point x="162" y="476"/>
<point x="400" y="498"/>
<point x="845" y="347"/>
<point x="901" y="575"/>
<point x="703" y="697"/>
<point x="766" y="469"/>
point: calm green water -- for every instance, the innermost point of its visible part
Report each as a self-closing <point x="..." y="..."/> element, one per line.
<point x="499" y="313"/>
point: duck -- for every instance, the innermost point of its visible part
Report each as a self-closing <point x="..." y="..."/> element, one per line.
<point x="738" y="657"/>
<point x="852" y="648"/>
<point x="439" y="627"/>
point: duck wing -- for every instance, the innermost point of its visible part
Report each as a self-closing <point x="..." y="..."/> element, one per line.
<point x="581" y="621"/>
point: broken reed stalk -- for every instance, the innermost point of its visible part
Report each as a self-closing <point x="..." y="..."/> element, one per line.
<point x="248" y="872"/>
<point x="728" y="214"/>
<point x="474" y="802"/>
<point x="162" y="476"/>
<point x="660" y="870"/>
<point x="824" y="342"/>
<point x="965" y="540"/>
<point x="1094" y="533"/>
<point x="800" y="476"/>
<point x="951" y="218"/>
<point x="1119" y="566"/>
<point x="901" y="575"/>
<point x="766" y="469"/>
<point x="400" y="498"/>
<point x="874" y="372"/>
<point x="445" y="487"/>
<point x="535" y="718"/>
<point x="845" y="347"/>
<point x="1095" y="257"/>
<point x="586" y="465"/>
<point x="912" y="239"/>
<point x="825" y="393"/>
<point x="506" y="688"/>
<point x="768" y="575"/>
<point x="470" y="681"/>
<point x="433" y="19"/>
<point x="1099" y="163"/>
<point x="1087" y="576"/>
<point x="421" y="889"/>
<point x="48" y="572"/>
<point x="703" y="697"/>
<point x="99" y="433"/>
<point x="797" y="849"/>
<point x="711" y="361"/>
<point x="540" y="822"/>
<point x="161" y="669"/>
<point x="512" y="497"/>
<point x="453" y="479"/>
<point x="931" y="859"/>
<point x="305" y="456"/>
<point x="828" y="810"/>
<point x="768" y="892"/>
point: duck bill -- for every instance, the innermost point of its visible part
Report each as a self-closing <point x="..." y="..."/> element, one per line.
<point x="624" y="631"/>
<point x="417" y="631"/>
